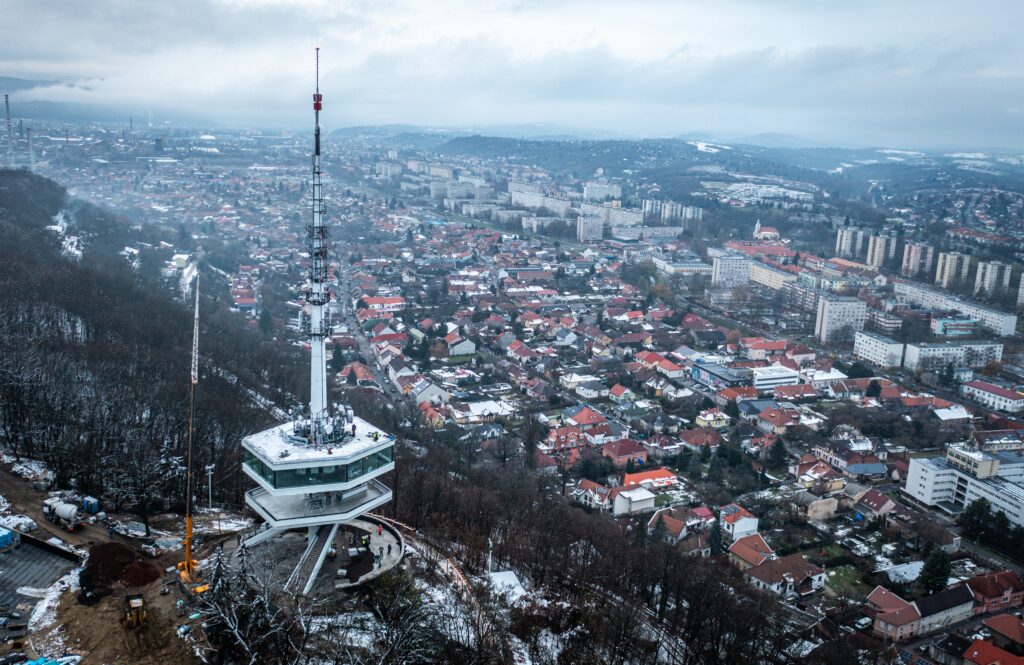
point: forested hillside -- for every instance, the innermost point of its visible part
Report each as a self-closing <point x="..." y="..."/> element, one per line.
<point x="94" y="358"/>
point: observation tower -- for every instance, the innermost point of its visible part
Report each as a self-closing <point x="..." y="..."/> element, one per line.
<point x="320" y="469"/>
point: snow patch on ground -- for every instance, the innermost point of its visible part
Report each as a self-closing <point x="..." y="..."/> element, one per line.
<point x="908" y="153"/>
<point x="708" y="147"/>
<point x="44" y="616"/>
<point x="28" y="468"/>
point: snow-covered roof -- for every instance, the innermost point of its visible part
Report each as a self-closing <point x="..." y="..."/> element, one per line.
<point x="277" y="446"/>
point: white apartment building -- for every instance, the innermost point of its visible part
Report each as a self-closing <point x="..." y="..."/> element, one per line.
<point x="995" y="321"/>
<point x="937" y="356"/>
<point x="613" y="215"/>
<point x="992" y="277"/>
<point x="671" y="211"/>
<point x="964" y="475"/>
<point x="881" y="249"/>
<point x="1020" y="293"/>
<point x="839" y="318"/>
<point x="589" y="228"/>
<point x="993" y="396"/>
<point x="849" y="242"/>
<point x="766" y="275"/>
<point x="730" y="270"/>
<point x="534" y="201"/>
<point x="953" y="267"/>
<point x="523" y="187"/>
<point x="878" y="349"/>
<point x="917" y="259"/>
<point x="599" y="191"/>
<point x="767" y="379"/>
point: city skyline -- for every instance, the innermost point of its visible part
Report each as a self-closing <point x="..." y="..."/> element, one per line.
<point x="917" y="75"/>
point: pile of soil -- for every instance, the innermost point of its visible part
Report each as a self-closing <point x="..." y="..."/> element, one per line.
<point x="109" y="563"/>
<point x="139" y="573"/>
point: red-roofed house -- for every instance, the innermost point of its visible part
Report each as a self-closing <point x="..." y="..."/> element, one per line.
<point x="624" y="451"/>
<point x="791" y="575"/>
<point x="737" y="521"/>
<point x="894" y="618"/>
<point x="654" y="478"/>
<point x="749" y="551"/>
<point x="586" y="418"/>
<point x="384" y="304"/>
<point x="994" y="397"/>
<point x="983" y="652"/>
<point x="996" y="591"/>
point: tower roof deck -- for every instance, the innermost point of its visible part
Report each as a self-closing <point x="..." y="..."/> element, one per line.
<point x="280" y="447"/>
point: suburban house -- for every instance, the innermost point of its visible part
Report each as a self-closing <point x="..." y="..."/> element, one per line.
<point x="737" y="521"/>
<point x="996" y="591"/>
<point x="631" y="500"/>
<point x="789" y="576"/>
<point x="654" y="478"/>
<point x="894" y="619"/>
<point x="712" y="418"/>
<point x="591" y="494"/>
<point x="749" y="551"/>
<point x="623" y="451"/>
<point x="945" y="608"/>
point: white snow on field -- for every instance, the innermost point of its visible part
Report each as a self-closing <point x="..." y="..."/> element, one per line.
<point x="44" y="616"/>
<point x="28" y="469"/>
<point x="966" y="155"/>
<point x="215" y="521"/>
<point x="708" y="147"/>
<point x="908" y="153"/>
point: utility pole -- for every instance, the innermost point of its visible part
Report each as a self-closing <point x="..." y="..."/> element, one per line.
<point x="209" y="485"/>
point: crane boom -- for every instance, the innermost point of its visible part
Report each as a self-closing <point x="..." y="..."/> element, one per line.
<point x="187" y="567"/>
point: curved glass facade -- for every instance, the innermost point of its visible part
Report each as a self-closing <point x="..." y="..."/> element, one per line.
<point x="317" y="475"/>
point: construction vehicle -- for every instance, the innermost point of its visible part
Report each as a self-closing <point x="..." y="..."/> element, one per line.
<point x="134" y="610"/>
<point x="188" y="570"/>
<point x="67" y="515"/>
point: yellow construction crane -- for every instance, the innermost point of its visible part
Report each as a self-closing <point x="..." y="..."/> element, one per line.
<point x="188" y="571"/>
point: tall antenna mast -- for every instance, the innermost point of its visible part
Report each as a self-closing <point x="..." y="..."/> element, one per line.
<point x="31" y="155"/>
<point x="10" y="135"/>
<point x="317" y="242"/>
<point x="187" y="567"/>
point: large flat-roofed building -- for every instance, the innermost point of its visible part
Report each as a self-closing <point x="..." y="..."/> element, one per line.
<point x="850" y="242"/>
<point x="600" y="191"/>
<point x="839" y="318"/>
<point x="936" y="356"/>
<point x="953" y="267"/>
<point x="534" y="201"/>
<point x="766" y="275"/>
<point x="917" y="259"/>
<point x="767" y="379"/>
<point x="881" y="249"/>
<point x="730" y="270"/>
<point x="994" y="397"/>
<point x="966" y="474"/>
<point x="878" y="349"/>
<point x="589" y="228"/>
<point x="718" y="376"/>
<point x="993" y="320"/>
<point x="992" y="277"/>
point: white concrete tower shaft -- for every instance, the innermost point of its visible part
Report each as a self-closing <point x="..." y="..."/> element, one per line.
<point x="318" y="242"/>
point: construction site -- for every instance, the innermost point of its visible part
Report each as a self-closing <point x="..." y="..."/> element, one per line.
<point x="317" y="479"/>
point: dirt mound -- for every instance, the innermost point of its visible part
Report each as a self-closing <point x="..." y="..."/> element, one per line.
<point x="108" y="563"/>
<point x="110" y="559"/>
<point x="139" y="573"/>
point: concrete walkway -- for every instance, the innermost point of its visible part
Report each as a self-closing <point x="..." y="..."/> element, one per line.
<point x="389" y="536"/>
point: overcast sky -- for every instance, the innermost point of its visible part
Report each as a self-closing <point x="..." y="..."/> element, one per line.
<point x="873" y="72"/>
